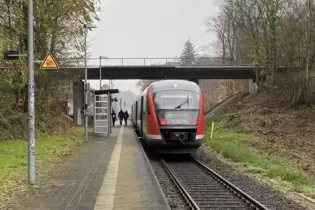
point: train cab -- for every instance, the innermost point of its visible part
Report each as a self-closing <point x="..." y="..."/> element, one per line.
<point x="169" y="115"/>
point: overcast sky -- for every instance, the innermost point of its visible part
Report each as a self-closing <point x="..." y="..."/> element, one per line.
<point x="148" y="28"/>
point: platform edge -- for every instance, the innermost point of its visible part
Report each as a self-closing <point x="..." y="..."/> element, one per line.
<point x="151" y="170"/>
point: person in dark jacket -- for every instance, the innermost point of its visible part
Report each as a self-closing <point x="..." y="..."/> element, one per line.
<point x="126" y="115"/>
<point x="113" y="117"/>
<point x="121" y="116"/>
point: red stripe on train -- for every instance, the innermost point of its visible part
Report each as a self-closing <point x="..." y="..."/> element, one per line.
<point x="152" y="122"/>
<point x="200" y="129"/>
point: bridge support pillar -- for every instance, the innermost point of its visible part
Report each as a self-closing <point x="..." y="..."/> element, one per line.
<point x="252" y="87"/>
<point x="194" y="80"/>
<point x="78" y="102"/>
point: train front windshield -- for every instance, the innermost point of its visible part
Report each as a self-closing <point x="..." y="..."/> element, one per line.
<point x="177" y="107"/>
<point x="176" y="99"/>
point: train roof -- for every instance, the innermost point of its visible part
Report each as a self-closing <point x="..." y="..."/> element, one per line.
<point x="163" y="85"/>
<point x="174" y="84"/>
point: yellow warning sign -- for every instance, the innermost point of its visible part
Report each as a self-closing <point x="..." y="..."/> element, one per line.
<point x="49" y="62"/>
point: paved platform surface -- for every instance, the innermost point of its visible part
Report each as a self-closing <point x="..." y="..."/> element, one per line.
<point x="107" y="174"/>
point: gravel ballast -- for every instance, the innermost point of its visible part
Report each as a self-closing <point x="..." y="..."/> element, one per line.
<point x="271" y="198"/>
<point x="204" y="189"/>
<point x="173" y="196"/>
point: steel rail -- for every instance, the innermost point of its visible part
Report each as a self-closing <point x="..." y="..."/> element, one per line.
<point x="188" y="198"/>
<point x="244" y="196"/>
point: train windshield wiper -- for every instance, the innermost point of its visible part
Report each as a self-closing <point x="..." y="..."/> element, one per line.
<point x="183" y="103"/>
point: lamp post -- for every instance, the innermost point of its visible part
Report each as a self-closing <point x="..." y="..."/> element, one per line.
<point x="86" y="28"/>
<point x="101" y="57"/>
<point x="31" y="95"/>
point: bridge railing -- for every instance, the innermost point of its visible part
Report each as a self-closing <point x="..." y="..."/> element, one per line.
<point x="201" y="61"/>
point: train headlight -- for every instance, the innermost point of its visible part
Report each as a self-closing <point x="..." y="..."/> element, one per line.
<point x="192" y="122"/>
<point x="163" y="122"/>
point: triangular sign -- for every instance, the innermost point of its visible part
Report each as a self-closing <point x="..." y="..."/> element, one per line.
<point x="49" y="62"/>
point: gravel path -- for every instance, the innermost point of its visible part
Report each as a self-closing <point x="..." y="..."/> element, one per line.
<point x="270" y="198"/>
<point x="172" y="195"/>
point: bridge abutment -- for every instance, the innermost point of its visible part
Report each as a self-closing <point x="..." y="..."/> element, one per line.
<point x="252" y="86"/>
<point x="78" y="102"/>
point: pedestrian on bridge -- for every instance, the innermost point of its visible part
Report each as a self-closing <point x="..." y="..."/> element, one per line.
<point x="113" y="117"/>
<point x="126" y="115"/>
<point x="121" y="116"/>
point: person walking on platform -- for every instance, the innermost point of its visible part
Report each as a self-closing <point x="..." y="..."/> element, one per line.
<point x="121" y="116"/>
<point x="126" y="115"/>
<point x="113" y="117"/>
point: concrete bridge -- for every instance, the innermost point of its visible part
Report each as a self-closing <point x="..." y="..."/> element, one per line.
<point x="162" y="68"/>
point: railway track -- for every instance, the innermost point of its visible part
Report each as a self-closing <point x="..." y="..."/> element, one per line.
<point x="203" y="188"/>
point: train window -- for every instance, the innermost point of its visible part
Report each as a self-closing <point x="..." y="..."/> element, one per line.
<point x="176" y="99"/>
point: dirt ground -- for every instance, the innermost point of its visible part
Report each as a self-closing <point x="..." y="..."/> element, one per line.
<point x="280" y="130"/>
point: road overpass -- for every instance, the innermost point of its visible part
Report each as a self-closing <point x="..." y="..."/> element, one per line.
<point x="161" y="68"/>
<point x="162" y="72"/>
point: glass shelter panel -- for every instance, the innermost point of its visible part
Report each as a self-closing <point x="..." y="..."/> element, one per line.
<point x="101" y="114"/>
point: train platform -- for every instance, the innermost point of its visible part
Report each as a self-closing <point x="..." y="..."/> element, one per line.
<point x="108" y="173"/>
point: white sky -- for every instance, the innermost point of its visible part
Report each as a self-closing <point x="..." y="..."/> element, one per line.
<point x="148" y="28"/>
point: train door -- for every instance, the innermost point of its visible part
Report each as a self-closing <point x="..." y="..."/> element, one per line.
<point x="144" y="115"/>
<point x="136" y="114"/>
<point x="141" y="117"/>
<point x="131" y="114"/>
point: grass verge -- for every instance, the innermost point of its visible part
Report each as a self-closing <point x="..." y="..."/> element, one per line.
<point x="231" y="143"/>
<point x="13" y="157"/>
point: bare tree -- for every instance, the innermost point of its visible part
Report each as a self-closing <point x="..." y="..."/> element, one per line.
<point x="271" y="33"/>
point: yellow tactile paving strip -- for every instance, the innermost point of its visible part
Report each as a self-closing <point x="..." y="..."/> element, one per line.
<point x="128" y="183"/>
<point x="128" y="188"/>
<point x="105" y="198"/>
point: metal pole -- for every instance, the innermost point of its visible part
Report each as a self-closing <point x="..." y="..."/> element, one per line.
<point x="94" y="113"/>
<point x="100" y="72"/>
<point x="31" y="96"/>
<point x="85" y="86"/>
<point x="109" y="116"/>
<point x="110" y="108"/>
<point x="110" y="111"/>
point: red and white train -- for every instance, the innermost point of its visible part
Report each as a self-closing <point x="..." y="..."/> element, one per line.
<point x="169" y="115"/>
